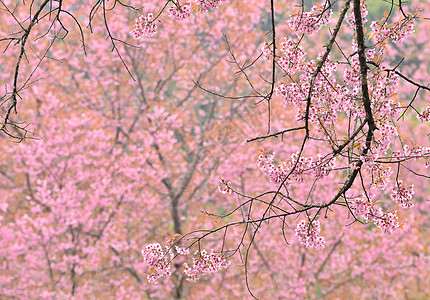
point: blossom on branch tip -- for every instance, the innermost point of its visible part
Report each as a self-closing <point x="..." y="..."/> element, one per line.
<point x="180" y="12"/>
<point x="182" y="250"/>
<point x="207" y="5"/>
<point x="293" y="58"/>
<point x="156" y="259"/>
<point x="402" y="194"/>
<point x="308" y="233"/>
<point x="351" y="18"/>
<point x="388" y="222"/>
<point x="424" y="117"/>
<point x="266" y="51"/>
<point x="363" y="207"/>
<point x="300" y="167"/>
<point x="397" y="31"/>
<point x="205" y="264"/>
<point x="224" y="187"/>
<point x="145" y="26"/>
<point x="309" y="22"/>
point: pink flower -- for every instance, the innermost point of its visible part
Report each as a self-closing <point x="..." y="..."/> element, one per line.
<point x="207" y="5"/>
<point x="424" y="117"/>
<point x="312" y="21"/>
<point x="224" y="187"/>
<point x="396" y="31"/>
<point x="319" y="168"/>
<point x="308" y="234"/>
<point x="402" y="195"/>
<point x="267" y="52"/>
<point x="158" y="262"/>
<point x="294" y="56"/>
<point x="182" y="250"/>
<point x="145" y="26"/>
<point x="365" y="208"/>
<point x="180" y="13"/>
<point x="205" y="264"/>
<point x="388" y="223"/>
<point x="351" y="18"/>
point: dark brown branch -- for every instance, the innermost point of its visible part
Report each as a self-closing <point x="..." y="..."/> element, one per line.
<point x="275" y="134"/>
<point x="23" y="40"/>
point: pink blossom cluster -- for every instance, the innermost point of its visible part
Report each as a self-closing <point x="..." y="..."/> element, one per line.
<point x="328" y="67"/>
<point x="387" y="134"/>
<point x="402" y="194"/>
<point x="312" y="21"/>
<point x="351" y="18"/>
<point x="144" y="26"/>
<point x="379" y="173"/>
<point x="308" y="234"/>
<point x="388" y="222"/>
<point x="182" y="250"/>
<point x="224" y="187"/>
<point x="364" y="208"/>
<point x="424" y="117"/>
<point x="351" y="77"/>
<point x="205" y="6"/>
<point x="381" y="177"/>
<point x="370" y="53"/>
<point x="326" y="98"/>
<point x="425" y="152"/>
<point x="180" y="12"/>
<point x="396" y="31"/>
<point x="384" y="90"/>
<point x="292" y="94"/>
<point x="369" y="160"/>
<point x="400" y="155"/>
<point x="319" y="168"/>
<point x="205" y="264"/>
<point x="293" y="56"/>
<point x="157" y="260"/>
<point x="415" y="152"/>
<point x="266" y="51"/>
<point x="147" y="26"/>
<point x="386" y="85"/>
<point x="383" y="87"/>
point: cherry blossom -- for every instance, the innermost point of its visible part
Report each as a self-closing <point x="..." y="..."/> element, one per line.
<point x="180" y="12"/>
<point x="397" y="31"/>
<point x="308" y="234"/>
<point x="424" y="116"/>
<point x="224" y="187"/>
<point x="145" y="26"/>
<point x="311" y="21"/>
<point x="402" y="194"/>
<point x="205" y="263"/>
<point x="157" y="261"/>
<point x="266" y="51"/>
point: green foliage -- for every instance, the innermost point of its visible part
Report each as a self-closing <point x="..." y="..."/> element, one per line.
<point x="376" y="9"/>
